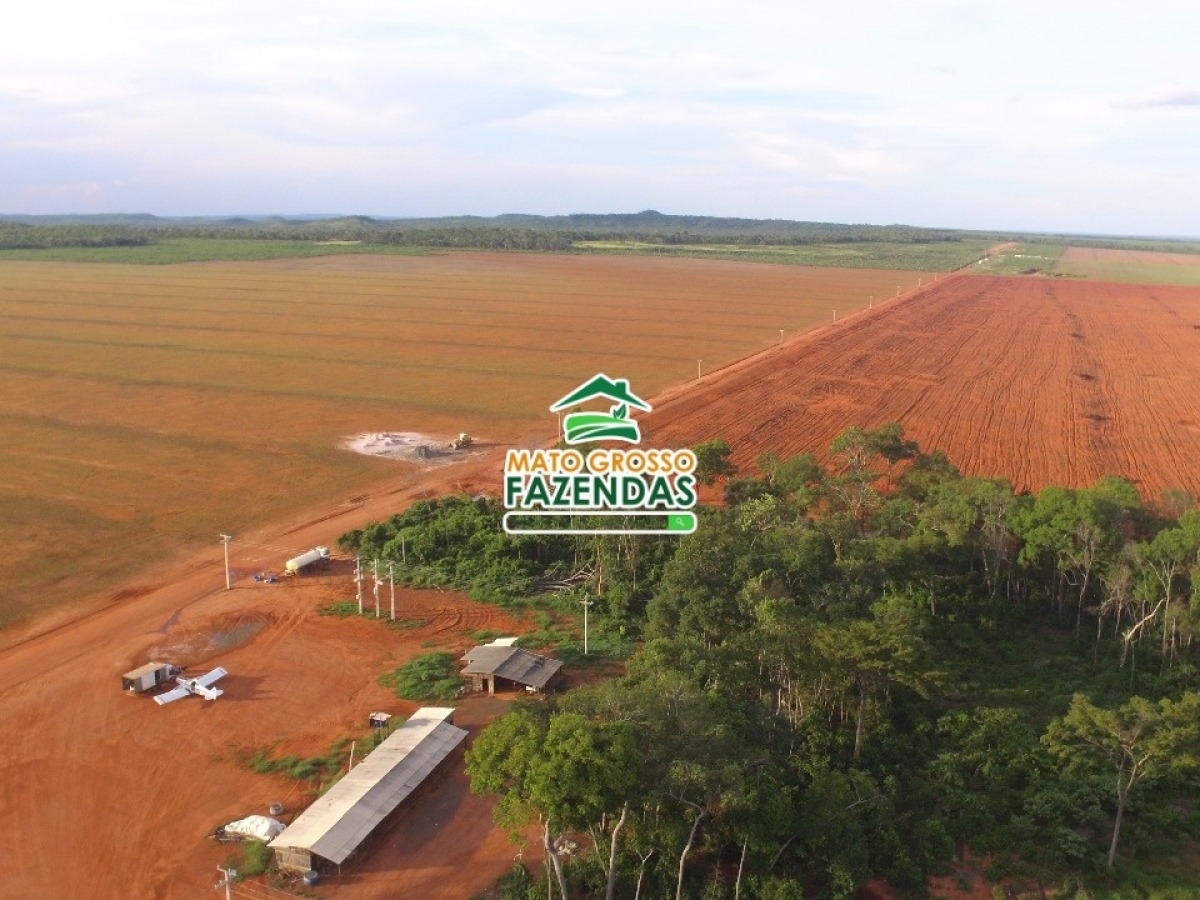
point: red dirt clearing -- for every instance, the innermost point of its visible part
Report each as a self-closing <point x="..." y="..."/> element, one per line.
<point x="1042" y="381"/>
<point x="108" y="795"/>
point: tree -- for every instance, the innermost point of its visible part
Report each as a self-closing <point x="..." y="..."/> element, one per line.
<point x="1141" y="740"/>
<point x="712" y="461"/>
<point x="866" y="659"/>
<point x="889" y="442"/>
<point x="569" y="770"/>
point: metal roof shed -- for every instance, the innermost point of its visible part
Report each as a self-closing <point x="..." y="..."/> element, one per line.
<point x="334" y="826"/>
<point x="488" y="662"/>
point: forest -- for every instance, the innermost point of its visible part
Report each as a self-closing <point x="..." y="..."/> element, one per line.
<point x="648" y="229"/>
<point x="875" y="668"/>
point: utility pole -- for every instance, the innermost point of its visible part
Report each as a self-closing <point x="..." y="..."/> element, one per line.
<point x="392" y="582"/>
<point x="780" y="337"/>
<point x="698" y="368"/>
<point x="225" y="539"/>
<point x="358" y="576"/>
<point x="377" y="588"/>
<point x="228" y="877"/>
<point x="586" y="604"/>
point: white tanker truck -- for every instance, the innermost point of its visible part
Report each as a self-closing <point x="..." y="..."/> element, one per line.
<point x="315" y="556"/>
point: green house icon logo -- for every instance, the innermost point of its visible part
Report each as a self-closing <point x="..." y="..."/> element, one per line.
<point x="615" y="425"/>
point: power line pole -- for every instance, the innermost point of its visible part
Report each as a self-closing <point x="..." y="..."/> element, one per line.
<point x="586" y="604"/>
<point x="377" y="588"/>
<point x="358" y="576"/>
<point x="392" y="583"/>
<point x="225" y="539"/>
<point x="227" y="881"/>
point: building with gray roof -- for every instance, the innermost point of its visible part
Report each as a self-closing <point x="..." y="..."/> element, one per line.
<point x="336" y="824"/>
<point x="494" y="665"/>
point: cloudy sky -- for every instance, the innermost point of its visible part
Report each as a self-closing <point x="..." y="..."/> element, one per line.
<point x="1017" y="115"/>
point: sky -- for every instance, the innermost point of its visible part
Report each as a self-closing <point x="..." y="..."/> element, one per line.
<point x="1041" y="116"/>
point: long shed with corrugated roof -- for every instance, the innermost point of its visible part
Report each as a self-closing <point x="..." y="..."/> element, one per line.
<point x="337" y="823"/>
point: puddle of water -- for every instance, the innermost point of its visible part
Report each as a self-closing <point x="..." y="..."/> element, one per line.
<point x="202" y="645"/>
<point x="225" y="640"/>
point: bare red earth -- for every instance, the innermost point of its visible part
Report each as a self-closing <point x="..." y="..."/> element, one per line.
<point x="108" y="795"/>
<point x="1042" y="381"/>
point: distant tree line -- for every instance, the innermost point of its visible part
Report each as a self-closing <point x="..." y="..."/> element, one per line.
<point x="508" y="232"/>
<point x="15" y="236"/>
<point x="512" y="232"/>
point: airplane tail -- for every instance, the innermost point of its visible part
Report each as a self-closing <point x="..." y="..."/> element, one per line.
<point x="209" y="693"/>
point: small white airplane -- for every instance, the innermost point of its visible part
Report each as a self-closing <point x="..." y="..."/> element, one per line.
<point x="188" y="686"/>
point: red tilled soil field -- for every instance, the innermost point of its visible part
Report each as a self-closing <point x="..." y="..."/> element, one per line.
<point x="1043" y="381"/>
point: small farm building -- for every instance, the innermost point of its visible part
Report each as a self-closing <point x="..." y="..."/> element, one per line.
<point x="337" y="823"/>
<point x="151" y="675"/>
<point x="498" y="664"/>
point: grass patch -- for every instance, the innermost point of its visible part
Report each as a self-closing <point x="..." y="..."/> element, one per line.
<point x="486" y="634"/>
<point x="303" y="768"/>
<point x="340" y="609"/>
<point x="253" y="859"/>
<point x="345" y="609"/>
<point x="1131" y="266"/>
<point x="431" y="676"/>
<point x="1023" y="259"/>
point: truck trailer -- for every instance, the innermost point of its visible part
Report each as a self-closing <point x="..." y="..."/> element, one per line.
<point x="315" y="556"/>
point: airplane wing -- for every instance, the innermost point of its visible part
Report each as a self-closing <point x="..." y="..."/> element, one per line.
<point x="208" y="679"/>
<point x="172" y="695"/>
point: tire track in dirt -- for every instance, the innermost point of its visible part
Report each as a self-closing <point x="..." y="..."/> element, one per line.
<point x="1042" y="381"/>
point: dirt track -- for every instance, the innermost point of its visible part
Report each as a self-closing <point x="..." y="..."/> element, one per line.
<point x="107" y="795"/>
<point x="103" y="795"/>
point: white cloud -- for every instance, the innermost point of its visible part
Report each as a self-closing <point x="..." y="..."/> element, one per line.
<point x="874" y="111"/>
<point x="1159" y="97"/>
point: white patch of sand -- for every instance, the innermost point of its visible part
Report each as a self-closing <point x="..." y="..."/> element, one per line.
<point x="411" y="446"/>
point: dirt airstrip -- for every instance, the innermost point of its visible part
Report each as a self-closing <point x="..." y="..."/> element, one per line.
<point x="104" y="795"/>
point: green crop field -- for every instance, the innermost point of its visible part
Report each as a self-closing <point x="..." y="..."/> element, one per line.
<point x="1021" y="259"/>
<point x="146" y="409"/>
<point x="1130" y="266"/>
<point x="1127" y="266"/>
<point x="178" y="250"/>
<point x="930" y="256"/>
